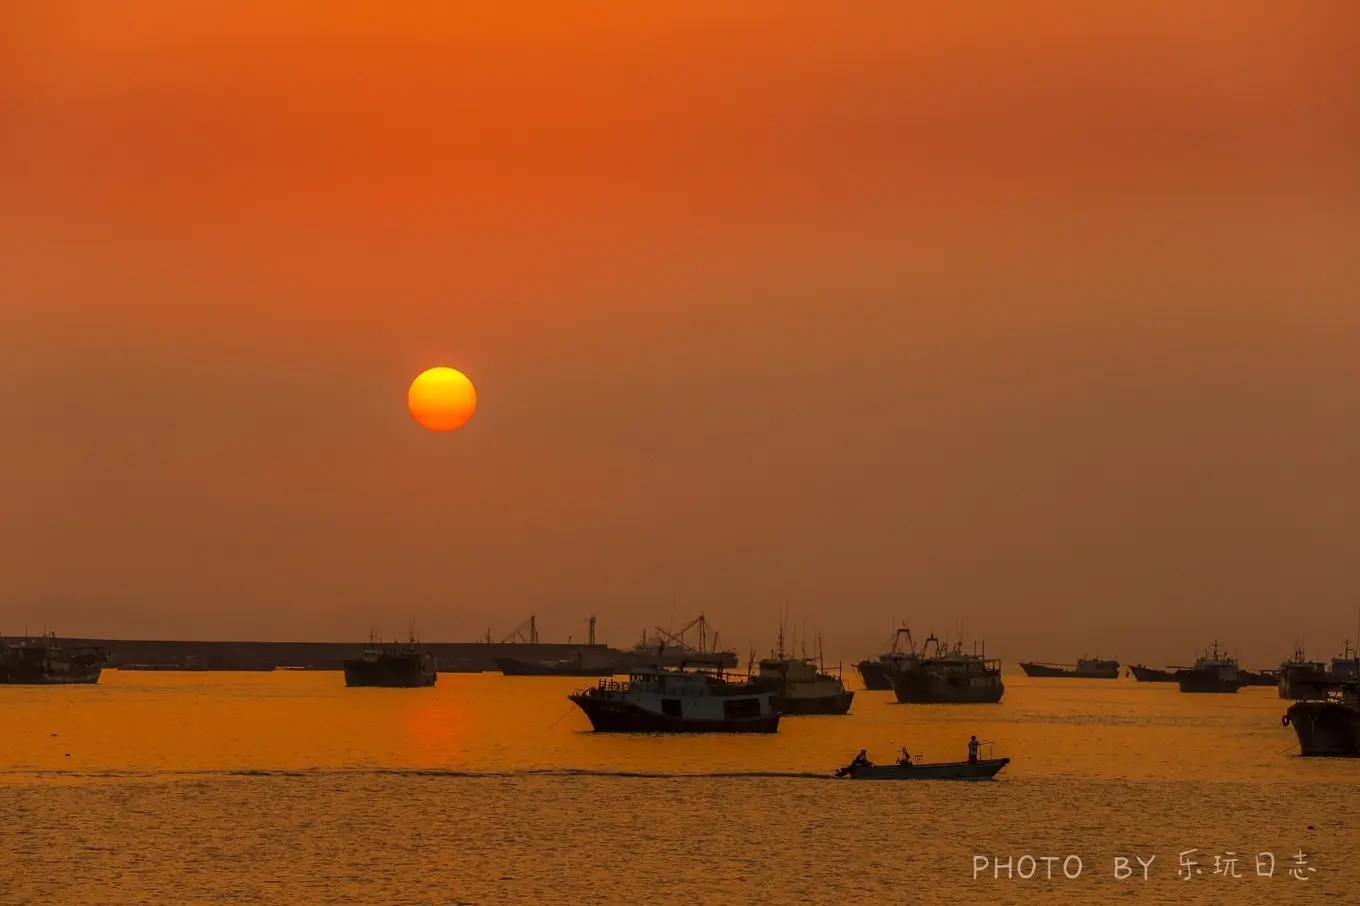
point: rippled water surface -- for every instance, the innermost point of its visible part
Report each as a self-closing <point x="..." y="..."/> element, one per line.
<point x="289" y="788"/>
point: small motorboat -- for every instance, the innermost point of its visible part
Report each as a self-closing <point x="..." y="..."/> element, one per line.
<point x="983" y="769"/>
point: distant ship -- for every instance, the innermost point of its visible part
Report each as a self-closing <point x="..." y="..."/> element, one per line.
<point x="41" y="662"/>
<point x="574" y="666"/>
<point x="403" y="666"/>
<point x="1144" y="674"/>
<point x="1214" y="671"/>
<point x="1347" y="664"/>
<point x="937" y="674"/>
<point x="1257" y="678"/>
<point x="801" y="686"/>
<point x="588" y="660"/>
<point x="670" y="700"/>
<point x="874" y="673"/>
<point x="671" y="649"/>
<point x="1301" y="678"/>
<point x="1086" y="668"/>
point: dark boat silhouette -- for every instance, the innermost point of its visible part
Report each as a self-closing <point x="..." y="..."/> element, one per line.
<point x="938" y="674"/>
<point x="984" y="769"/>
<point x="801" y="685"/>
<point x="1085" y="668"/>
<point x="392" y="667"/>
<point x="876" y="673"/>
<point x="1145" y="674"/>
<point x="677" y="700"/>
<point x="1214" y="672"/>
<point x="42" y="662"/>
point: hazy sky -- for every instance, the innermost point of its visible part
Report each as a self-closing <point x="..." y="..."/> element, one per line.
<point x="982" y="313"/>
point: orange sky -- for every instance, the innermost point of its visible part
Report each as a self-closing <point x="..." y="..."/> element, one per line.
<point x="1041" y="322"/>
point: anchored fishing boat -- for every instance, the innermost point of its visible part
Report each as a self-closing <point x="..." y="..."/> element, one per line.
<point x="801" y="685"/>
<point x="393" y="667"/>
<point x="42" y="662"/>
<point x="1085" y="668"/>
<point x="678" y="700"/>
<point x="939" y="674"/>
<point x="1214" y="671"/>
<point x="1144" y="674"/>
<point x="875" y="672"/>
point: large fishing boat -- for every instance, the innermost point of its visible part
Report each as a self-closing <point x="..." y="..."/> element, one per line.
<point x="1301" y="678"/>
<point x="1145" y="674"/>
<point x="394" y="667"/>
<point x="1214" y="671"/>
<point x="1085" y="668"/>
<point x="1326" y="718"/>
<point x="874" y="673"/>
<point x="42" y="662"/>
<point x="939" y="674"/>
<point x="801" y="685"/>
<point x="1327" y="728"/>
<point x="1347" y="664"/>
<point x="678" y="700"/>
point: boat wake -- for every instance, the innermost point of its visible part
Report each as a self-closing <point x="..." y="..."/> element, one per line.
<point x="419" y="772"/>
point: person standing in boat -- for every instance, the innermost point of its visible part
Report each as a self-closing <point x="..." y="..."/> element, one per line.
<point x="972" y="750"/>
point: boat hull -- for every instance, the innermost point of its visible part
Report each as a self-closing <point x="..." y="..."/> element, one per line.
<point x="38" y="666"/>
<point x="514" y="667"/>
<point x="919" y="688"/>
<point x="874" y="676"/>
<point x="383" y="675"/>
<point x="1205" y="682"/>
<point x="821" y="704"/>
<point x="1047" y="670"/>
<point x="88" y="678"/>
<point x="984" y="769"/>
<point x="1152" y="674"/>
<point x="1325" y="729"/>
<point x="611" y="716"/>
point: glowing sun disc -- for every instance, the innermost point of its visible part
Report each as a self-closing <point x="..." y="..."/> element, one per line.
<point x="442" y="399"/>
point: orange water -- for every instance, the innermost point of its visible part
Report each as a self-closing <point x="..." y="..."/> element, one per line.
<point x="287" y="787"/>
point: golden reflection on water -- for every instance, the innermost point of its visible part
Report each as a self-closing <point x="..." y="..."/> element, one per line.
<point x="288" y="787"/>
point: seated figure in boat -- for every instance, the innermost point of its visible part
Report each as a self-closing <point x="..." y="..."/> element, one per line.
<point x="905" y="758"/>
<point x="862" y="760"/>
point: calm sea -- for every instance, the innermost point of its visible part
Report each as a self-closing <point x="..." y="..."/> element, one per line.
<point x="289" y="788"/>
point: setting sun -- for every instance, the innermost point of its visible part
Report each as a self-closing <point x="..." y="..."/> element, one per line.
<point x="442" y="399"/>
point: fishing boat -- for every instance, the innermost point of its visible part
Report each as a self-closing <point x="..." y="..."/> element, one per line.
<point x="1145" y="674"/>
<point x="1326" y="729"/>
<point x="678" y="700"/>
<point x="801" y="685"/>
<point x="42" y="662"/>
<point x="939" y="674"/>
<point x="392" y="667"/>
<point x="874" y="673"/>
<point x="1214" y="671"/>
<point x="1301" y="678"/>
<point x="1347" y="664"/>
<point x="984" y="769"/>
<point x="1085" y="668"/>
